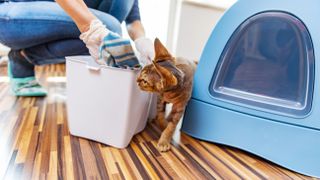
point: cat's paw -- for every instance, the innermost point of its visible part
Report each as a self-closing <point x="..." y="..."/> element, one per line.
<point x="163" y="146"/>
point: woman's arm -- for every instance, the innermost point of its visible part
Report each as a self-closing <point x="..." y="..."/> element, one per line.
<point x="91" y="28"/>
<point x="135" y="30"/>
<point x="143" y="45"/>
<point x="79" y="12"/>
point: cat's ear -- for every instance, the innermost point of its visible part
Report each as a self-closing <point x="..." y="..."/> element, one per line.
<point x="161" y="52"/>
<point x="168" y="79"/>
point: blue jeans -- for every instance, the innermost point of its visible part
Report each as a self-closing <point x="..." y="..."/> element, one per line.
<point x="45" y="32"/>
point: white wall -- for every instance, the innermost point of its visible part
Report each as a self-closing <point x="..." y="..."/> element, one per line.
<point x="197" y="19"/>
<point x="154" y="16"/>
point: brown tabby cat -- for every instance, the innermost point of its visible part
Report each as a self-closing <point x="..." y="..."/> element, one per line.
<point x="172" y="79"/>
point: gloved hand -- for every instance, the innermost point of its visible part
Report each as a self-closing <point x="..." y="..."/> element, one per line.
<point x="93" y="38"/>
<point x="146" y="49"/>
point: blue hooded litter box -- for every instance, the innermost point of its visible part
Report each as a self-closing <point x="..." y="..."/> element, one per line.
<point x="257" y="84"/>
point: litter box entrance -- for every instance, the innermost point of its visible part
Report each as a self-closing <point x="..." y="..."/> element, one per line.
<point x="268" y="64"/>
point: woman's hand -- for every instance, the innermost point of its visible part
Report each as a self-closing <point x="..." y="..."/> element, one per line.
<point x="93" y="37"/>
<point x="146" y="49"/>
<point x="93" y="31"/>
<point x="143" y="45"/>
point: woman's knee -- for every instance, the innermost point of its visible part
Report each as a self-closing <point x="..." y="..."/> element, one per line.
<point x="111" y="22"/>
<point x="113" y="25"/>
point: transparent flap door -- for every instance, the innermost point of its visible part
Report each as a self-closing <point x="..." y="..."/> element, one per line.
<point x="268" y="63"/>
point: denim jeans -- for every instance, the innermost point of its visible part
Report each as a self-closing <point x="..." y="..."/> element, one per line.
<point x="46" y="33"/>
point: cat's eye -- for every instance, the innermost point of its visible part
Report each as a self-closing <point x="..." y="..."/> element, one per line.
<point x="144" y="81"/>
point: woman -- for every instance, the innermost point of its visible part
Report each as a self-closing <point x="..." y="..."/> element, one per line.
<point x="41" y="32"/>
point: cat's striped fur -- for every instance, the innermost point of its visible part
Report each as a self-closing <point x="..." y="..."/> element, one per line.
<point x="172" y="79"/>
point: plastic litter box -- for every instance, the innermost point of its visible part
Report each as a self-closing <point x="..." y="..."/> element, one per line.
<point x="257" y="83"/>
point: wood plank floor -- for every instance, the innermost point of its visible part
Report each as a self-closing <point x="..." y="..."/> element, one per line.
<point x="35" y="144"/>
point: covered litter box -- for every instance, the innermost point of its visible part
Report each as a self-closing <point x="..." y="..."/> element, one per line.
<point x="257" y="83"/>
<point x="104" y="103"/>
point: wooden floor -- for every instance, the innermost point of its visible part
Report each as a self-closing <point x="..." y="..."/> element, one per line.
<point x="35" y="144"/>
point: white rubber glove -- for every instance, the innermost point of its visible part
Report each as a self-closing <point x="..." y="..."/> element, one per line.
<point x="94" y="36"/>
<point x="146" y="49"/>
